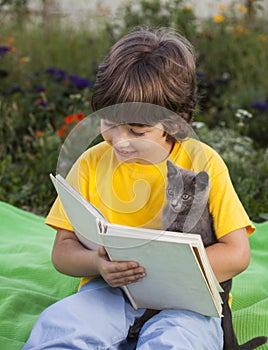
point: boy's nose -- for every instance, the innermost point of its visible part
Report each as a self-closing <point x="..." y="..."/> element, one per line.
<point x="120" y="136"/>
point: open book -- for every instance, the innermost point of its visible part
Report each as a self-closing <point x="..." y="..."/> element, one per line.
<point x="178" y="273"/>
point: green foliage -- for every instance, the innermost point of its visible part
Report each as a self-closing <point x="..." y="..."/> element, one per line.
<point x="41" y="85"/>
<point x="46" y="76"/>
<point x="248" y="167"/>
<point x="174" y="14"/>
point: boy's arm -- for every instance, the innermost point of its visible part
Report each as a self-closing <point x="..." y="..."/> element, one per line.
<point x="70" y="257"/>
<point x="230" y="255"/>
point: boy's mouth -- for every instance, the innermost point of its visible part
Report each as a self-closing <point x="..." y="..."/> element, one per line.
<point x="124" y="153"/>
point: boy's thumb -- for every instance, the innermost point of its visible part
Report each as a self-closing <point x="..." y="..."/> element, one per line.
<point x="102" y="252"/>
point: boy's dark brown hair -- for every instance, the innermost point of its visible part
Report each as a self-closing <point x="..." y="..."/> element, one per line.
<point x="150" y="66"/>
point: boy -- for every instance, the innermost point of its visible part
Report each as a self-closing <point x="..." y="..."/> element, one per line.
<point x="145" y="95"/>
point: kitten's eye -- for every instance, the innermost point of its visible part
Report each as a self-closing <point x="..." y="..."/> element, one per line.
<point x="185" y="196"/>
<point x="170" y="192"/>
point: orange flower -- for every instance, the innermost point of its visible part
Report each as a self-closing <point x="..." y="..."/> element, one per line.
<point x="70" y="119"/>
<point x="10" y="39"/>
<point x="13" y="49"/>
<point x="80" y="116"/>
<point x="103" y="10"/>
<point x="24" y="59"/>
<point x="62" y="132"/>
<point x="73" y="118"/>
<point x="39" y="133"/>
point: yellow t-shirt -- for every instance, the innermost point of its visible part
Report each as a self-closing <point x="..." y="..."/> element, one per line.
<point x="133" y="194"/>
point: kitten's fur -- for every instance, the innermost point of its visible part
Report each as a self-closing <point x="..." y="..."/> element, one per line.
<point x="187" y="211"/>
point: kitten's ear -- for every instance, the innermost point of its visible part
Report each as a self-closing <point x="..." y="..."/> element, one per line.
<point x="171" y="168"/>
<point x="202" y="180"/>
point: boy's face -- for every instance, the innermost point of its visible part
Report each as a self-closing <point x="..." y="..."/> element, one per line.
<point x="137" y="143"/>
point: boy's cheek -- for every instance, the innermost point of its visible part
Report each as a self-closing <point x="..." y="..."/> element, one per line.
<point x="106" y="136"/>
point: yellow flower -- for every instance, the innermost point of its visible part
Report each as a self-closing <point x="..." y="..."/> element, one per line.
<point x="262" y="37"/>
<point x="219" y="18"/>
<point x="222" y="8"/>
<point x="188" y="8"/>
<point x="238" y="29"/>
<point x="242" y="8"/>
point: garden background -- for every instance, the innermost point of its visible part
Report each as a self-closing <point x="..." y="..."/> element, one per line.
<point x="47" y="71"/>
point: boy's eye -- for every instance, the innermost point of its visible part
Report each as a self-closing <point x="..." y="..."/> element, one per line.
<point x="136" y="133"/>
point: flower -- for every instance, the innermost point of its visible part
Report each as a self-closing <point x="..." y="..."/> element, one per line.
<point x="62" y="131"/>
<point x="41" y="103"/>
<point x="222" y="7"/>
<point x="24" y="59"/>
<point x="10" y="39"/>
<point x="262" y="37"/>
<point x="260" y="106"/>
<point x="219" y="18"/>
<point x="242" y="8"/>
<point x="73" y="118"/>
<point x="103" y="10"/>
<point x="70" y="119"/>
<point x="80" y="82"/>
<point x="58" y="73"/>
<point x="239" y="29"/>
<point x="243" y="113"/>
<point x="41" y="88"/>
<point x="188" y="9"/>
<point x="200" y="74"/>
<point x="4" y="50"/>
<point x="39" y="133"/>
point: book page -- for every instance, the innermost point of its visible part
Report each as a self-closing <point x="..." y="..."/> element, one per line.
<point x="82" y="215"/>
<point x="173" y="279"/>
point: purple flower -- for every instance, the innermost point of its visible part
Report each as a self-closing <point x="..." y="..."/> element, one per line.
<point x="58" y="73"/>
<point x="4" y="50"/>
<point x="14" y="90"/>
<point x="220" y="82"/>
<point x="260" y="106"/>
<point x="80" y="82"/>
<point x="41" y="88"/>
<point x="41" y="103"/>
<point x="200" y="74"/>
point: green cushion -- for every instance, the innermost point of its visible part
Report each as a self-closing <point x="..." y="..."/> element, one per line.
<point x="29" y="283"/>
<point x="250" y="291"/>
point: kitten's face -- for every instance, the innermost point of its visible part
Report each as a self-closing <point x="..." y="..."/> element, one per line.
<point x="184" y="187"/>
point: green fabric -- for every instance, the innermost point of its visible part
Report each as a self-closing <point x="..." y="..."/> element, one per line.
<point x="250" y="291"/>
<point x="29" y="283"/>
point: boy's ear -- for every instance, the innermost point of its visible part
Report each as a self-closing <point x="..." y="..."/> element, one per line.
<point x="180" y="130"/>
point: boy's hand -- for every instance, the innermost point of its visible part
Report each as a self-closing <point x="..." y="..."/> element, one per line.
<point x="118" y="273"/>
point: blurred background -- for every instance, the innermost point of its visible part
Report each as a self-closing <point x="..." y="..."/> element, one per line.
<point x="49" y="54"/>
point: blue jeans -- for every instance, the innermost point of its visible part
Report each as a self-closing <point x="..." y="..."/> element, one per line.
<point x="98" y="317"/>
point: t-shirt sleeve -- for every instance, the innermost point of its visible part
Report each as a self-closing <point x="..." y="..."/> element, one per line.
<point x="57" y="218"/>
<point x="225" y="206"/>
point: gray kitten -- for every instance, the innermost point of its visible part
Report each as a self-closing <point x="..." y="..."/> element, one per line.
<point x="187" y="211"/>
